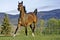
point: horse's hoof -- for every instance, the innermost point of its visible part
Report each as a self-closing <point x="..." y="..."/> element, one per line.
<point x="14" y="35"/>
<point x="33" y="34"/>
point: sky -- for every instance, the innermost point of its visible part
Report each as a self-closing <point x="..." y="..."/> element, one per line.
<point x="10" y="6"/>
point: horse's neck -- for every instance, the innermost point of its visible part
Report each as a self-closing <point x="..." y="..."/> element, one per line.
<point x="22" y="15"/>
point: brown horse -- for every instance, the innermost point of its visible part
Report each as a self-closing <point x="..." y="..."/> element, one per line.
<point x="26" y="19"/>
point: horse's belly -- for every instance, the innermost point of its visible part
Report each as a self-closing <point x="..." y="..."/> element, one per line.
<point x="28" y="23"/>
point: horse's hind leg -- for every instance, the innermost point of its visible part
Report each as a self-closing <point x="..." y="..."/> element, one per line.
<point x="31" y="26"/>
<point x="33" y="29"/>
<point x="26" y="30"/>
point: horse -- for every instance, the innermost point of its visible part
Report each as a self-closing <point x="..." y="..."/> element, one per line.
<point x="26" y="19"/>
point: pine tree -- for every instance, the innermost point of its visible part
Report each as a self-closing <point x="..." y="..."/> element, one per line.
<point x="6" y="27"/>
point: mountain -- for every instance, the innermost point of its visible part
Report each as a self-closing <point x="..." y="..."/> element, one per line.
<point x="49" y="14"/>
<point x="41" y="15"/>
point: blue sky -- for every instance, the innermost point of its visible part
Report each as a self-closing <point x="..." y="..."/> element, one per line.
<point x="10" y="6"/>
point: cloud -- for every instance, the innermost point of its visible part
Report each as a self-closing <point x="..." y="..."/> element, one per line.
<point x="44" y="7"/>
<point x="12" y="11"/>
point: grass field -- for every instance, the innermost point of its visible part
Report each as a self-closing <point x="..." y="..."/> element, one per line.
<point x="38" y="36"/>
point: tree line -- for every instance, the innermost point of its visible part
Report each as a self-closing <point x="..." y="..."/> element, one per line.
<point x="51" y="26"/>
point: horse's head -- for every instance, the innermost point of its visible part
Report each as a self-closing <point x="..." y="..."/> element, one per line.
<point x="20" y="6"/>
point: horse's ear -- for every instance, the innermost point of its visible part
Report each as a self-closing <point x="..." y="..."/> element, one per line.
<point x="22" y="2"/>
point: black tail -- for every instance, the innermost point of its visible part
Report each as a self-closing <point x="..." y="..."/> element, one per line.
<point x="35" y="11"/>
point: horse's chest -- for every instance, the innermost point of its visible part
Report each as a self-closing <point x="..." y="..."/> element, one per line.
<point x="24" y="21"/>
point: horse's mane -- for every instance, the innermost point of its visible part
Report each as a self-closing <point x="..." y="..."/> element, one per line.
<point x="24" y="9"/>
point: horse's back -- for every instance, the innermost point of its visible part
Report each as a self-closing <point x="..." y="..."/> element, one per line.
<point x="31" y="17"/>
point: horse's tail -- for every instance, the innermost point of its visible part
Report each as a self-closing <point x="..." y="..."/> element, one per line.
<point x="35" y="11"/>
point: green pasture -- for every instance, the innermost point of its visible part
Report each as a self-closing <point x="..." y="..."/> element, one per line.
<point x="38" y="36"/>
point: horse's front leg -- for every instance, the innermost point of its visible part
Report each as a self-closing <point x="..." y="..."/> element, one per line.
<point x="16" y="29"/>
